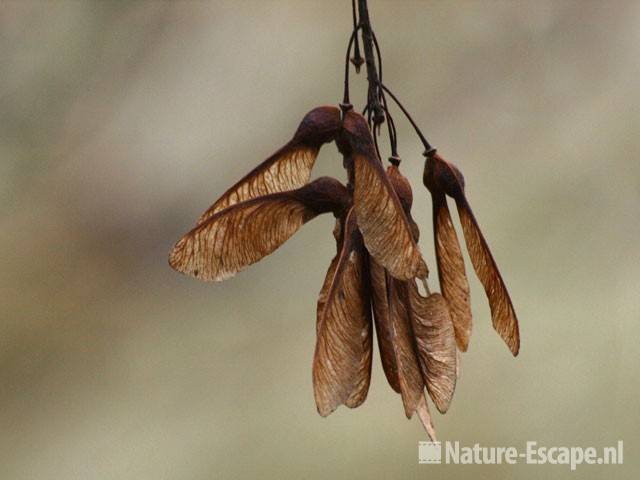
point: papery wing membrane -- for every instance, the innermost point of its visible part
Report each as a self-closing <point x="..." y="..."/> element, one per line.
<point x="383" y="323"/>
<point x="425" y="418"/>
<point x="342" y="359"/>
<point x="244" y="233"/>
<point x="436" y="344"/>
<point x="451" y="271"/>
<point x="503" y="315"/>
<point x="442" y="176"/>
<point x="409" y="375"/>
<point x="395" y="337"/>
<point x="381" y="219"/>
<point x="287" y="169"/>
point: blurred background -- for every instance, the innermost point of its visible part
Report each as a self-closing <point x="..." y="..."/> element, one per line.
<point x="122" y="121"/>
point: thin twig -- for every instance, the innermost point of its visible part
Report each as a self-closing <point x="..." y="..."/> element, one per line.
<point x="369" y="58"/>
<point x="428" y="149"/>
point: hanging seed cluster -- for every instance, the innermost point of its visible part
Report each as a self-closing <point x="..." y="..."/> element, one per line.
<point x="372" y="282"/>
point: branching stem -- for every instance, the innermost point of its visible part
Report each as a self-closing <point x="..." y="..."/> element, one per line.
<point x="372" y="73"/>
<point x="377" y="109"/>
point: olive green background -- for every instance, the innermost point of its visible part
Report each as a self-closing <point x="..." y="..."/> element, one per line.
<point x="120" y="122"/>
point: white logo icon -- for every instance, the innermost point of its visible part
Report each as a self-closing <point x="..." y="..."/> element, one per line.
<point x="429" y="452"/>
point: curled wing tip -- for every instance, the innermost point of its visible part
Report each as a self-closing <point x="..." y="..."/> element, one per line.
<point x="356" y="402"/>
<point x="409" y="401"/>
<point x="508" y="329"/>
<point x="183" y="261"/>
<point x="513" y="340"/>
<point x="442" y="404"/>
<point x="177" y="258"/>
<point x="324" y="410"/>
<point x="462" y="332"/>
<point x="425" y="418"/>
<point x="174" y="255"/>
<point x="462" y="343"/>
<point x="506" y="325"/>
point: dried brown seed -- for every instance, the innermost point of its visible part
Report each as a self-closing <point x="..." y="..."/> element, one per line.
<point x="503" y="315"/>
<point x="451" y="271"/>
<point x="402" y="188"/>
<point x="436" y="344"/>
<point x="442" y="176"/>
<point x="383" y="323"/>
<point x="288" y="168"/>
<point x="244" y="233"/>
<point x="393" y="327"/>
<point x="409" y="374"/>
<point x="342" y="360"/>
<point x="381" y="219"/>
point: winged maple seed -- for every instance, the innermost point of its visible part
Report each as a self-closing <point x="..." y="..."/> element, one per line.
<point x="415" y="334"/>
<point x="443" y="178"/>
<point x="245" y="232"/>
<point x="342" y="360"/>
<point x="384" y="226"/>
<point x="372" y="280"/>
<point x="211" y="251"/>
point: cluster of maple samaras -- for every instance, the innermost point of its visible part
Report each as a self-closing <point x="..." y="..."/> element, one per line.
<point x="375" y="268"/>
